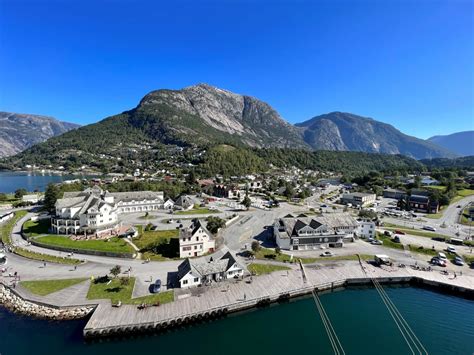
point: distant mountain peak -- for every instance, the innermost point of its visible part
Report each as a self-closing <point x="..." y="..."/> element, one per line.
<point x="19" y="131"/>
<point x="461" y="143"/>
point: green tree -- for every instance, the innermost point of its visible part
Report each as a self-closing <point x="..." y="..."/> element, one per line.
<point x="51" y="195"/>
<point x="115" y="271"/>
<point x="3" y="197"/>
<point x="214" y="223"/>
<point x="20" y="193"/>
<point x="255" y="246"/>
<point x="247" y="202"/>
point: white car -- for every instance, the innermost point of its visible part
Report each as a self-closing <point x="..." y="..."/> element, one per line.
<point x="451" y="250"/>
<point x="327" y="253"/>
<point x="429" y="228"/>
<point x="442" y="256"/>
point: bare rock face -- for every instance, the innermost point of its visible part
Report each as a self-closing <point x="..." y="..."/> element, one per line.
<point x="346" y="131"/>
<point x="243" y="118"/>
<point x="21" y="131"/>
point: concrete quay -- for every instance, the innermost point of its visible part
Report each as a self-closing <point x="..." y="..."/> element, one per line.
<point x="229" y="297"/>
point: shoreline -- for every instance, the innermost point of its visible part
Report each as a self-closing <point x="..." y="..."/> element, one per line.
<point x="220" y="300"/>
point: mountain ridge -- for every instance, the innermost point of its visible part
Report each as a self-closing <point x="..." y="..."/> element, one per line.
<point x="19" y="131"/>
<point x="461" y="143"/>
<point x="203" y="115"/>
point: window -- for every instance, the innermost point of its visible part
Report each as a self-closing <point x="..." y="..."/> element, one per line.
<point x="195" y="247"/>
<point x="196" y="279"/>
<point x="185" y="282"/>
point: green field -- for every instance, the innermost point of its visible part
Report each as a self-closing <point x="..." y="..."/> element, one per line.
<point x="114" y="245"/>
<point x="6" y="228"/>
<point x="117" y="291"/>
<point x="270" y="254"/>
<point x="34" y="228"/>
<point x="158" y="245"/>
<point x="45" y="287"/>
<point x="45" y="257"/>
<point x="260" y="269"/>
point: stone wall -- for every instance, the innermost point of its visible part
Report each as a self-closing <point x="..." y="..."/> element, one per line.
<point x="14" y="303"/>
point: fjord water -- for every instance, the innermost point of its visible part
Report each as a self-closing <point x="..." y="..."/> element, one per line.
<point x="13" y="180"/>
<point x="443" y="323"/>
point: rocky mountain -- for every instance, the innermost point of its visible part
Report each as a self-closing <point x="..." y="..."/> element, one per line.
<point x="461" y="143"/>
<point x="203" y="115"/>
<point x="346" y="131"/>
<point x="21" y="131"/>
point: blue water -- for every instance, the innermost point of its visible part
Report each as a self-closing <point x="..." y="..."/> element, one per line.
<point x="443" y="323"/>
<point x="11" y="181"/>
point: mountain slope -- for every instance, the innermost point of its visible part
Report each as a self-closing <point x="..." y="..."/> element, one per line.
<point x="461" y="143"/>
<point x="346" y="131"/>
<point x="20" y="131"/>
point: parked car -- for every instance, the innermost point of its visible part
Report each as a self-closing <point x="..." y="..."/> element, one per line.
<point x="458" y="261"/>
<point x="442" y="256"/>
<point x="156" y="286"/>
<point x="451" y="250"/>
<point x="376" y="242"/>
<point x="429" y="228"/>
<point x="458" y="206"/>
<point x="387" y="233"/>
<point x="324" y="206"/>
<point x="396" y="239"/>
<point x="399" y="232"/>
<point x="327" y="253"/>
<point x="438" y="261"/>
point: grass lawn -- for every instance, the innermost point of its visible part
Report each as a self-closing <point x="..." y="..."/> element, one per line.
<point x="420" y="233"/>
<point x="269" y="254"/>
<point x="115" y="245"/>
<point x="45" y="287"/>
<point x="159" y="244"/>
<point x="260" y="269"/>
<point x="6" y="228"/>
<point x="388" y="242"/>
<point x="348" y="257"/>
<point x="199" y="210"/>
<point x="35" y="228"/>
<point x="45" y="257"/>
<point x="117" y="291"/>
<point x="150" y="216"/>
<point x="465" y="217"/>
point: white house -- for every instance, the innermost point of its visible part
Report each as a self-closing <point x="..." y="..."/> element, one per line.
<point x="359" y="199"/>
<point x="198" y="272"/>
<point x="366" y="229"/>
<point x="195" y="240"/>
<point x="32" y="198"/>
<point x="168" y="204"/>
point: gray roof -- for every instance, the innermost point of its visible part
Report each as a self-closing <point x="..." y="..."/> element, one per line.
<point x="184" y="201"/>
<point x="135" y="195"/>
<point x="69" y="201"/>
<point x="332" y="220"/>
<point x="203" y="267"/>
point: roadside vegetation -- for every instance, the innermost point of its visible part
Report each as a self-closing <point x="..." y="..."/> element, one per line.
<point x="45" y="287"/>
<point x="196" y="210"/>
<point x="35" y="228"/>
<point x="260" y="269"/>
<point x="6" y="228"/>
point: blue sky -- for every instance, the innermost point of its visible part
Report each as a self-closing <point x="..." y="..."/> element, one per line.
<point x="407" y="63"/>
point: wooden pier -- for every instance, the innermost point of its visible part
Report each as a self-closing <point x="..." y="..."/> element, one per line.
<point x="234" y="296"/>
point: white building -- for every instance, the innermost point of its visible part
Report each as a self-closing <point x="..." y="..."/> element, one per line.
<point x="32" y="198"/>
<point x="366" y="229"/>
<point x="195" y="240"/>
<point x="199" y="272"/>
<point x="93" y="210"/>
<point x="359" y="199"/>
<point x="306" y="233"/>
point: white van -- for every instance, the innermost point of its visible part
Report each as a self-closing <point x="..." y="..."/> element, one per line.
<point x="442" y="256"/>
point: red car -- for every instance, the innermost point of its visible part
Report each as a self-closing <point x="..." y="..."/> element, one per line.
<point x="399" y="232"/>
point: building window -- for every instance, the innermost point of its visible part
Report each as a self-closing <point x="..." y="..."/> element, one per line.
<point x="196" y="279"/>
<point x="185" y="282"/>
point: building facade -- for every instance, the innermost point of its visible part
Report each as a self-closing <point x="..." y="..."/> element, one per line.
<point x="359" y="199"/>
<point x="306" y="233"/>
<point x="94" y="210"/>
<point x="195" y="240"/>
<point x="201" y="272"/>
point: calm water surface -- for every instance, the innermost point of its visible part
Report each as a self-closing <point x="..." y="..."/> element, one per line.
<point x="11" y="181"/>
<point x="444" y="324"/>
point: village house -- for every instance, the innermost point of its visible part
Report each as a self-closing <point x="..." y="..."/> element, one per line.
<point x="366" y="229"/>
<point x="32" y="198"/>
<point x="305" y="233"/>
<point x="184" y="203"/>
<point x="423" y="204"/>
<point x="195" y="272"/>
<point x="195" y="240"/>
<point x="223" y="191"/>
<point x="394" y="193"/>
